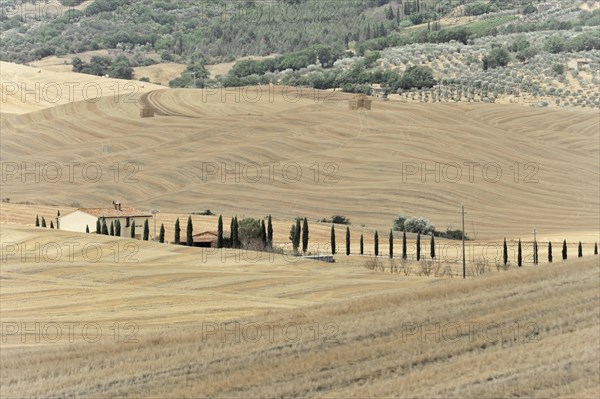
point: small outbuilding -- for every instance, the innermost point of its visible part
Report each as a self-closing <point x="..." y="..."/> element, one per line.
<point x="208" y="239"/>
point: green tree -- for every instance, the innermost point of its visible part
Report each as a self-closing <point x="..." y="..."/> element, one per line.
<point x="579" y="250"/>
<point x="595" y="248"/>
<point x="189" y="233"/>
<point x="505" y="253"/>
<point x="98" y="227"/>
<point x="220" y="232"/>
<point x="347" y="240"/>
<point x="535" y="253"/>
<point x="305" y="235"/>
<point x="362" y="245"/>
<point x="146" y="234"/>
<point x="43" y="222"/>
<point x="112" y="229"/>
<point x="404" y="254"/>
<point x="564" y="250"/>
<point x="51" y="224"/>
<point x="161" y="236"/>
<point x="104" y="227"/>
<point x="554" y="44"/>
<point x="376" y="243"/>
<point x="87" y="228"/>
<point x="418" y="77"/>
<point x="432" y="247"/>
<point x="270" y="233"/>
<point x="263" y="235"/>
<point x="236" y="233"/>
<point x="418" y="246"/>
<point x="132" y="230"/>
<point x="333" y="250"/>
<point x="549" y="252"/>
<point x="177" y="237"/>
<point x="118" y="228"/>
<point x="498" y="57"/>
<point x="391" y="243"/>
<point x="37" y="221"/>
<point x="520" y="254"/>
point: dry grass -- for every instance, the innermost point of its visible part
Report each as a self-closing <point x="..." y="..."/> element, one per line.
<point x="366" y="345"/>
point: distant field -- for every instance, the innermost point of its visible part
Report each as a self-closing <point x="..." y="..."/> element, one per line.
<point x="330" y="330"/>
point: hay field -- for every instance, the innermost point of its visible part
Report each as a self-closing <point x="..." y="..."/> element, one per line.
<point x="513" y="168"/>
<point x="326" y="330"/>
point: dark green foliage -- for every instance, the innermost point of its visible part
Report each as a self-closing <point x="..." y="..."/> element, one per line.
<point x="347" y="241"/>
<point x="549" y="252"/>
<point x="177" y="235"/>
<point x="520" y="254"/>
<point x="161" y="235"/>
<point x="337" y="219"/>
<point x="118" y="228"/>
<point x="505" y="253"/>
<point x="498" y="57"/>
<point x="189" y="232"/>
<point x="391" y="238"/>
<point x="558" y="69"/>
<point x="43" y="222"/>
<point x="248" y="233"/>
<point x="432" y="247"/>
<point x="51" y="224"/>
<point x="87" y="228"/>
<point x="220" y="232"/>
<point x="37" y="221"/>
<point x="98" y="227"/>
<point x="362" y="245"/>
<point x="132" y="230"/>
<point x="595" y="248"/>
<point x="417" y="76"/>
<point x="112" y="229"/>
<point x="418" y="246"/>
<point x="535" y="253"/>
<point x="564" y="250"/>
<point x="146" y="233"/>
<point x="376" y="243"/>
<point x="333" y="249"/>
<point x="404" y="254"/>
<point x="263" y="235"/>
<point x="119" y="68"/>
<point x="269" y="233"/>
<point x="579" y="250"/>
<point x="104" y="227"/>
<point x="235" y="233"/>
<point x="305" y="235"/>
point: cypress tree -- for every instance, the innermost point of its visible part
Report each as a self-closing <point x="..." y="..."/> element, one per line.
<point x="37" y="221"/>
<point x="519" y="254"/>
<point x="189" y="233"/>
<point x="161" y="235"/>
<point x="418" y="246"/>
<point x="564" y="250"/>
<point x="376" y="243"/>
<point x="505" y="253"/>
<point x="579" y="250"/>
<point x="43" y="222"/>
<point x="297" y="233"/>
<point x="432" y="245"/>
<point x="549" y="252"/>
<point x="535" y="253"/>
<point x="51" y="224"/>
<point x="333" y="251"/>
<point x="58" y="219"/>
<point x="293" y="237"/>
<point x="132" y="231"/>
<point x="404" y="254"/>
<point x="391" y="244"/>
<point x="118" y="228"/>
<point x="236" y="229"/>
<point x="220" y="232"/>
<point x="87" y="228"/>
<point x="362" y="245"/>
<point x="347" y="240"/>
<point x="270" y="233"/>
<point x="304" y="235"/>
<point x="177" y="237"/>
<point x="112" y="229"/>
<point x="146" y="235"/>
<point x="263" y="234"/>
<point x="232" y="228"/>
<point x="98" y="227"/>
<point x="595" y="248"/>
<point x="104" y="227"/>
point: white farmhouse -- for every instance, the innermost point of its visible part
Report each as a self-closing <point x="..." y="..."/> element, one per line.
<point x="87" y="217"/>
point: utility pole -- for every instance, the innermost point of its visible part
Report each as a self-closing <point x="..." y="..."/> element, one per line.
<point x="535" y="252"/>
<point x="463" y="243"/>
<point x="154" y="213"/>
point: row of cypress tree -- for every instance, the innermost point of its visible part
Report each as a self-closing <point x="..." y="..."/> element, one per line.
<point x="564" y="253"/>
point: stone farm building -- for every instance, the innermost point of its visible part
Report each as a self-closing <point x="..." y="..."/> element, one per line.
<point x="208" y="239"/>
<point x="87" y="217"/>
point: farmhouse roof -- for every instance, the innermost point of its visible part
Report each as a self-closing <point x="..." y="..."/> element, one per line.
<point x="210" y="235"/>
<point x="124" y="211"/>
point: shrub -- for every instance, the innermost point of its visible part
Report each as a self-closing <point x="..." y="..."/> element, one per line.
<point x="249" y="232"/>
<point x="418" y="225"/>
